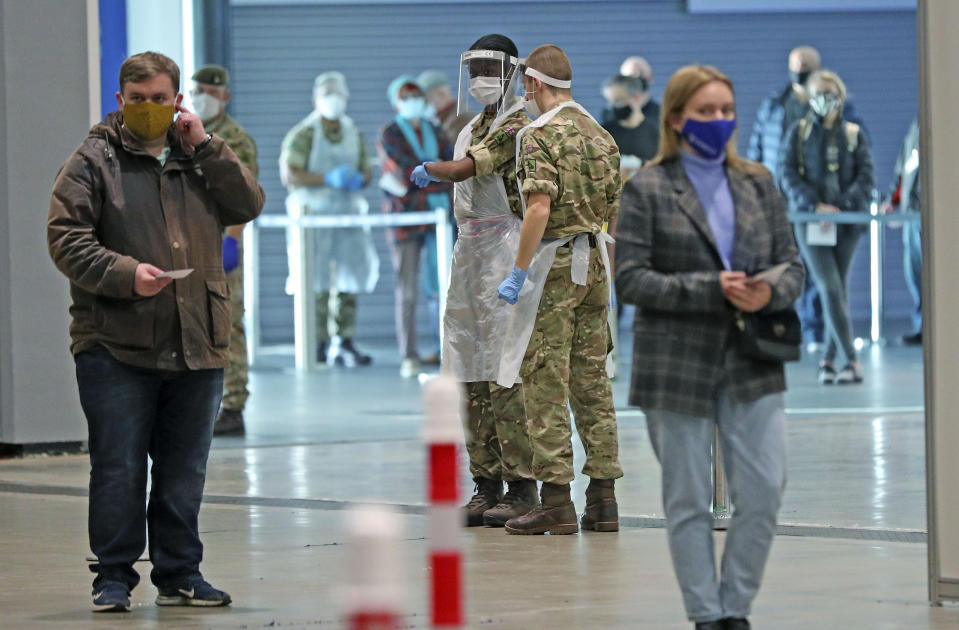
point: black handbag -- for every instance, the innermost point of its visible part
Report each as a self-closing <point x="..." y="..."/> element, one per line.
<point x="775" y="337"/>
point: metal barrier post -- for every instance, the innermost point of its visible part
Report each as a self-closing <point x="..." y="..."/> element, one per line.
<point x="721" y="511"/>
<point x="304" y="308"/>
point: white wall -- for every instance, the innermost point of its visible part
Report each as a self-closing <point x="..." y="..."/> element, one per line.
<point x="45" y="112"/>
<point x="939" y="93"/>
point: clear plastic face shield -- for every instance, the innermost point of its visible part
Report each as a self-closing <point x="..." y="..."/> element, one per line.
<point x="485" y="77"/>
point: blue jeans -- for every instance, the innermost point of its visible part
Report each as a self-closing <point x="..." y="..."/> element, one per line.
<point x="133" y="413"/>
<point x="809" y="307"/>
<point x="912" y="267"/>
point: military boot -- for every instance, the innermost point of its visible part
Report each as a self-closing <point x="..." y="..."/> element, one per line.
<point x="488" y="493"/>
<point x="555" y="515"/>
<point x="519" y="499"/>
<point x="602" y="513"/>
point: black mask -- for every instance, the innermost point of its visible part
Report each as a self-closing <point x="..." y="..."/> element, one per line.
<point x="799" y="77"/>
<point x="622" y="113"/>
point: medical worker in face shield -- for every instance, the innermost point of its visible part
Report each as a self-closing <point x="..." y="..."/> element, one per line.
<point x="404" y="143"/>
<point x="568" y="167"/>
<point x="488" y="213"/>
<point x="324" y="164"/>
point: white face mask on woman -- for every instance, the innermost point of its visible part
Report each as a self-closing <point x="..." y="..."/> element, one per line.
<point x="486" y="90"/>
<point x="412" y="108"/>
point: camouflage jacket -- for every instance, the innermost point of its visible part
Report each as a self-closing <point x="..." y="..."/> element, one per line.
<point x="298" y="144"/>
<point x="576" y="162"/>
<point x="497" y="153"/>
<point x="237" y="139"/>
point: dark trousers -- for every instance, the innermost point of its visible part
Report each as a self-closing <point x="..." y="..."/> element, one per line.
<point x="133" y="413"/>
<point x="809" y="307"/>
<point x="912" y="267"/>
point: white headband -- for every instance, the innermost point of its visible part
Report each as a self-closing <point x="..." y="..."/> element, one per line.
<point x="548" y="80"/>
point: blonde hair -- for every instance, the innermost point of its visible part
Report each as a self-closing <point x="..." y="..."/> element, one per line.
<point x="145" y="66"/>
<point x="682" y="85"/>
<point x="827" y="76"/>
<point x="551" y="61"/>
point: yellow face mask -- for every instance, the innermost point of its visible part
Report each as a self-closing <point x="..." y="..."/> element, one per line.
<point x="148" y="120"/>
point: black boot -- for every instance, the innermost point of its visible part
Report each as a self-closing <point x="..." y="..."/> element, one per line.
<point x="602" y="513"/>
<point x="488" y="493"/>
<point x="519" y="499"/>
<point x="321" y="352"/>
<point x="347" y="347"/>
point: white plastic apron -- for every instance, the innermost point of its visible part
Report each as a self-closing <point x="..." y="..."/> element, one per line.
<point x="351" y="250"/>
<point x="475" y="321"/>
<point x="523" y="316"/>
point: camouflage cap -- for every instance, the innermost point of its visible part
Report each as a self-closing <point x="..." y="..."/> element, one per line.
<point x="212" y="75"/>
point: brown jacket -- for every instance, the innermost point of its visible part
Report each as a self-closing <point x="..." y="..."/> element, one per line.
<point x="113" y="207"/>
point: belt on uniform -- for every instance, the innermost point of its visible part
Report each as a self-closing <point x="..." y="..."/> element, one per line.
<point x="591" y="238"/>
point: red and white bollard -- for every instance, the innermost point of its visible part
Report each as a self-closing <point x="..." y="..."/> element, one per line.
<point x="443" y="434"/>
<point x="373" y="593"/>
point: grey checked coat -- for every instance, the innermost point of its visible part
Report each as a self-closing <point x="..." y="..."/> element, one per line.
<point x="668" y="264"/>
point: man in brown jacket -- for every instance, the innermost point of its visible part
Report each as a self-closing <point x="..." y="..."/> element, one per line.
<point x="144" y="197"/>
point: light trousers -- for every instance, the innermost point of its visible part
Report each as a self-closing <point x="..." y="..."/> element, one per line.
<point x="753" y="441"/>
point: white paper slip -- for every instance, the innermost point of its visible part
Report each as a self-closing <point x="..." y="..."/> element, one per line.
<point x="818" y="233"/>
<point x="176" y="274"/>
<point x="772" y="274"/>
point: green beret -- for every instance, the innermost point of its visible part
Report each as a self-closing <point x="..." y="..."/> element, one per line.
<point x="212" y="75"/>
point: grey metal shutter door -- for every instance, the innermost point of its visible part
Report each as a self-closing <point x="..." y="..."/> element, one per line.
<point x="279" y="49"/>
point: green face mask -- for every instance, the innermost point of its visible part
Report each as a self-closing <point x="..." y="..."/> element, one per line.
<point x="147" y="120"/>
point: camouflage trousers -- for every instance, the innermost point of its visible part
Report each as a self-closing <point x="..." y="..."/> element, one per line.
<point x="335" y="315"/>
<point x="496" y="438"/>
<point x="565" y="366"/>
<point x="236" y="374"/>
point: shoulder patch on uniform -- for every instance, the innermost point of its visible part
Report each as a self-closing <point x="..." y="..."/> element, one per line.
<point x="510" y="131"/>
<point x="530" y="148"/>
<point x="498" y="138"/>
<point x="531" y="164"/>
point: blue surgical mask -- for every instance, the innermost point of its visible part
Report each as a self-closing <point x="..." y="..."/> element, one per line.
<point x="708" y="138"/>
<point x="411" y="108"/>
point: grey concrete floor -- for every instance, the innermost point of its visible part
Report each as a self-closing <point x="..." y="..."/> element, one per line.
<point x="320" y="443"/>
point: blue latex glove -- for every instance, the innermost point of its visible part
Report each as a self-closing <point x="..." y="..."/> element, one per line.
<point x="509" y="288"/>
<point x="355" y="181"/>
<point x="337" y="176"/>
<point x="420" y="177"/>
<point x="231" y="254"/>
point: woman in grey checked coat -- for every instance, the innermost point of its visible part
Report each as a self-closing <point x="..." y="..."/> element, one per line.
<point x="695" y="227"/>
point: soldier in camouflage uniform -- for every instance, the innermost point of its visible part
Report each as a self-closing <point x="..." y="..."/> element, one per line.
<point x="209" y="96"/>
<point x="569" y="169"/>
<point x="345" y="258"/>
<point x="497" y="440"/>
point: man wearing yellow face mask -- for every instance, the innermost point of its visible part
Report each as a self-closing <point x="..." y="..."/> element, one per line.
<point x="134" y="223"/>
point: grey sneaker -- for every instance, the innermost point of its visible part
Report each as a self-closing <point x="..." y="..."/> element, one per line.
<point x="827" y="373"/>
<point x="194" y="591"/>
<point x="851" y="374"/>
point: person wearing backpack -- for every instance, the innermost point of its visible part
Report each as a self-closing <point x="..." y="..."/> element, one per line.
<point x="826" y="168"/>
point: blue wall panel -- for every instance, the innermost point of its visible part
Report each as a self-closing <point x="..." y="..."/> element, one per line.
<point x="278" y="50"/>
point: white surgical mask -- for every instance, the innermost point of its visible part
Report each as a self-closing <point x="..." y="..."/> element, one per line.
<point x="486" y="90"/>
<point x="206" y="106"/>
<point x="532" y="107"/>
<point x="331" y="106"/>
<point x="411" y="108"/>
